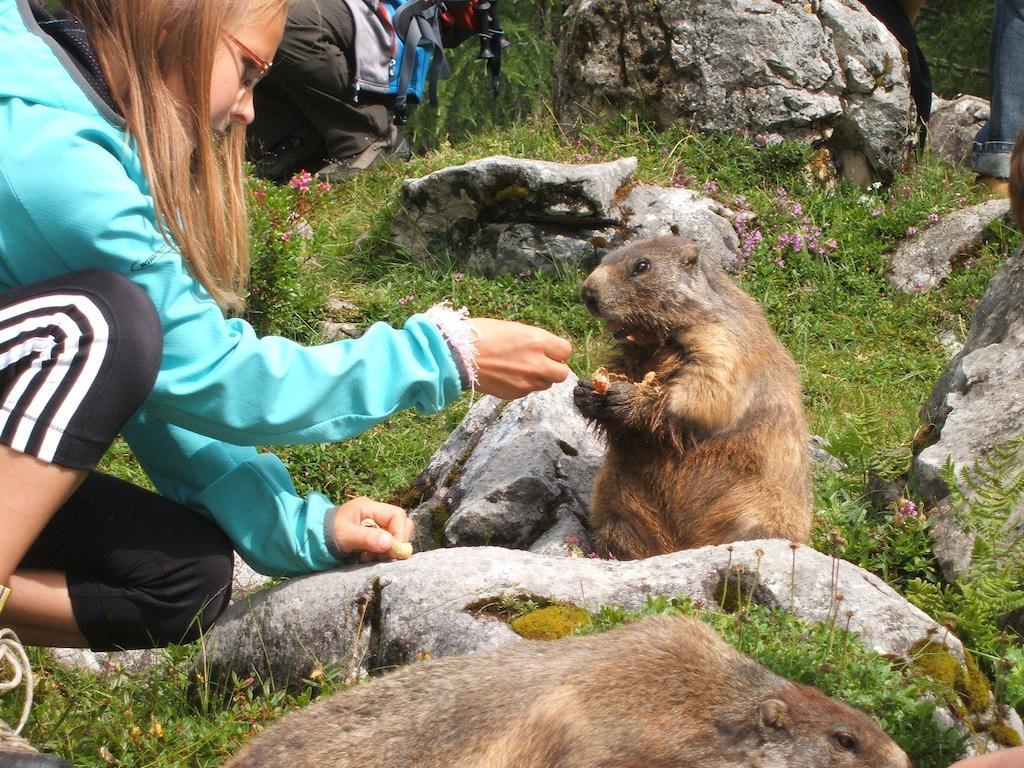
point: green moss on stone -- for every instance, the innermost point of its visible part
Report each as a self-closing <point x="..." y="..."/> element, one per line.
<point x="511" y="192"/>
<point x="438" y="517"/>
<point x="935" y="661"/>
<point x="550" y="623"/>
<point x="1005" y="735"/>
<point x="973" y="687"/>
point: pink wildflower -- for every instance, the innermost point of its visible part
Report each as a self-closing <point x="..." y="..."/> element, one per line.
<point x="933" y="218"/>
<point x="286" y="236"/>
<point x="878" y="211"/>
<point x="301" y="181"/>
<point x="911" y="230"/>
<point x="710" y="187"/>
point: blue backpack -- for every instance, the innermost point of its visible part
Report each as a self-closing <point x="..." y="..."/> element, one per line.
<point x="399" y="46"/>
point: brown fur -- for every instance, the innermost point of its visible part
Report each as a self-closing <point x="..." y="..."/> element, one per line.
<point x="664" y="692"/>
<point x="715" y="449"/>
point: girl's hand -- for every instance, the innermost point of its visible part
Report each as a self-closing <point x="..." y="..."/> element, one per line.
<point x="514" y="359"/>
<point x="371" y="543"/>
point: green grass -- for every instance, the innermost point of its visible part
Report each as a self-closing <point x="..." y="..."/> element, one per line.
<point x="954" y="35"/>
<point x="868" y="355"/>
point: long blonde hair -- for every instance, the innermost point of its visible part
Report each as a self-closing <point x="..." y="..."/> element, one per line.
<point x="195" y="177"/>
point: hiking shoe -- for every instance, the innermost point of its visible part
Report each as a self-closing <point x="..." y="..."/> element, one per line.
<point x="395" y="147"/>
<point x="15" y="752"/>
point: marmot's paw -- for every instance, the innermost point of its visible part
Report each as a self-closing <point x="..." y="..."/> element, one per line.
<point x="602" y="407"/>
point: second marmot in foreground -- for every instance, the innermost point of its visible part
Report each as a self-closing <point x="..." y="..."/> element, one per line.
<point x="664" y="692"/>
<point x="707" y="441"/>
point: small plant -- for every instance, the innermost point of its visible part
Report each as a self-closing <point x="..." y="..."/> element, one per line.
<point x="282" y="300"/>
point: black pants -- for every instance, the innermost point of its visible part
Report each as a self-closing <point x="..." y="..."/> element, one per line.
<point x="305" y="116"/>
<point x="78" y="356"/>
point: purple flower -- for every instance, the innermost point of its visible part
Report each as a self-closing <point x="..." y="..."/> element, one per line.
<point x="911" y="230"/>
<point x="933" y="218"/>
<point x="878" y="211"/>
<point x="780" y="262"/>
<point x="458" y="275"/>
<point x="710" y="187"/>
<point x="905" y="512"/>
<point x="406" y="299"/>
<point x="286" y="236"/>
<point x="791" y="240"/>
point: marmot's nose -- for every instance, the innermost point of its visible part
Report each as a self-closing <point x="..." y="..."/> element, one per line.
<point x="589" y="296"/>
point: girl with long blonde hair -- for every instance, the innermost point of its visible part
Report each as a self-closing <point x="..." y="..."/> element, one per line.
<point x="123" y="256"/>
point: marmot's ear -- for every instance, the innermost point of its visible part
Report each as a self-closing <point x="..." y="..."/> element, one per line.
<point x="773" y="715"/>
<point x="688" y="254"/>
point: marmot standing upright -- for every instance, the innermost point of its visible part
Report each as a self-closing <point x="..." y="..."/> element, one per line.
<point x="707" y="441"/>
<point x="664" y="692"/>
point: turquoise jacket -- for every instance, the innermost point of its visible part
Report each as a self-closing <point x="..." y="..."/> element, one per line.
<point x="73" y="196"/>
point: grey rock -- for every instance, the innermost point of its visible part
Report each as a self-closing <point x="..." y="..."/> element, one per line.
<point x="951" y="544"/>
<point x="953" y="126"/>
<point x="521" y="470"/>
<point x="922" y="262"/>
<point x="568" y="537"/>
<point x="331" y="331"/>
<point x="978" y="402"/>
<point x="374" y="616"/>
<point x="503" y="216"/>
<point x="827" y="73"/>
<point x="818" y="448"/>
<point x="649" y="211"/>
<point x="525" y="249"/>
<point x="445" y="209"/>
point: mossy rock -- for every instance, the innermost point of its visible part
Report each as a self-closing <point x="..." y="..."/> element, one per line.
<point x="1005" y="735"/>
<point x="550" y="623"/>
<point x="973" y="687"/>
<point x="439" y="515"/>
<point x="935" y="661"/>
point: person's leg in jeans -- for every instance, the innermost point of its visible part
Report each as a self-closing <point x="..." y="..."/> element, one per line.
<point x="990" y="152"/>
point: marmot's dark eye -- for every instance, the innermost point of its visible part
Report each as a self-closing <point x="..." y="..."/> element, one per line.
<point x="844" y="740"/>
<point x="641" y="266"/>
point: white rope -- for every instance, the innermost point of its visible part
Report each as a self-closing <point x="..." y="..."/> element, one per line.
<point x="13" y="656"/>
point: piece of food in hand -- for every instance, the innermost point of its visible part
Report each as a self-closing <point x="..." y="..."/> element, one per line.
<point x="400" y="550"/>
<point x="603" y="378"/>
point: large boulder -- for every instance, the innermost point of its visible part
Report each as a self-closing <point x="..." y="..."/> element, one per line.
<point x="825" y="72"/>
<point x="440" y="603"/>
<point x="504" y="215"/>
<point x="511" y="474"/>
<point x="977" y="404"/>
